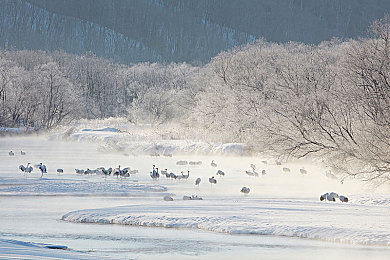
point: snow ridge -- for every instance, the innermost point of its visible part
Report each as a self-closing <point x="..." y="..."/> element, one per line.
<point x="304" y="219"/>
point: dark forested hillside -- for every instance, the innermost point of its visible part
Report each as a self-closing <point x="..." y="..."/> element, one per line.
<point x="177" y="30"/>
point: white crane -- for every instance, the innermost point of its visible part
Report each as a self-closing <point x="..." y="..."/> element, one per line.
<point x="343" y="198"/>
<point x="185" y="176"/>
<point x="168" y="198"/>
<point x="89" y="171"/>
<point x="165" y="172"/>
<point x="181" y="163"/>
<point x="27" y="169"/>
<point x="245" y="190"/>
<point x="220" y="173"/>
<point x="329" y="196"/>
<point x="42" y="167"/>
<point x="117" y="171"/>
<point x="78" y="171"/>
<point x="212" y="180"/>
<point x="154" y="174"/>
<point x="213" y="164"/>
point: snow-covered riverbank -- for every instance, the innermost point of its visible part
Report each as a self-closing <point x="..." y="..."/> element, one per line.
<point x="281" y="204"/>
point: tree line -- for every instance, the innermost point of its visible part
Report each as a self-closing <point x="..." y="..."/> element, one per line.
<point x="331" y="101"/>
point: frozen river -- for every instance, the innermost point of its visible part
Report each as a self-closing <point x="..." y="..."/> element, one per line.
<point x="32" y="208"/>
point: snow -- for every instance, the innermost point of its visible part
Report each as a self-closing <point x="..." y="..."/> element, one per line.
<point x="69" y="187"/>
<point x="333" y="222"/>
<point x="119" y="135"/>
<point x="13" y="249"/>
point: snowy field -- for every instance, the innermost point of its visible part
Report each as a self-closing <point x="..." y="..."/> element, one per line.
<point x="281" y="217"/>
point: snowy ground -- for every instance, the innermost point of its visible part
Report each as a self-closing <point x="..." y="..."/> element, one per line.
<point x="13" y="249"/>
<point x="280" y="205"/>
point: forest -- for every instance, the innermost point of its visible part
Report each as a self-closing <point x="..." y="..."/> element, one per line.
<point x="330" y="101"/>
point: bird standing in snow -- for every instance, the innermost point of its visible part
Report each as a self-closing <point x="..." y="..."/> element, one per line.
<point x="303" y="171"/>
<point x="329" y="196"/>
<point x="213" y="164"/>
<point x="220" y="173"/>
<point x="155" y="174"/>
<point x="245" y="190"/>
<point x="197" y="181"/>
<point x="42" y="167"/>
<point x="173" y="175"/>
<point x="11" y="153"/>
<point x="22" y="153"/>
<point x="212" y="180"/>
<point x="79" y="171"/>
<point x="60" y="171"/>
<point x="27" y="169"/>
<point x="168" y="198"/>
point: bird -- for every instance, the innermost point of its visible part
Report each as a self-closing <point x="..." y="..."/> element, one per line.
<point x="245" y="190"/>
<point x="125" y="172"/>
<point x="88" y="171"/>
<point x="262" y="172"/>
<point x="303" y="171"/>
<point x="42" y="167"/>
<point x="278" y="162"/>
<point x="323" y="196"/>
<point x="196" y="197"/>
<point x="60" y="171"/>
<point x="249" y="173"/>
<point x="181" y="163"/>
<point x="213" y="164"/>
<point x="154" y="174"/>
<point x="343" y="198"/>
<point x="185" y="176"/>
<point x="332" y="196"/>
<point x="172" y="175"/>
<point x="187" y="198"/>
<point x="165" y="172"/>
<point x="22" y="153"/>
<point x="168" y="198"/>
<point x="27" y="169"/>
<point x="212" y="180"/>
<point x="116" y="172"/>
<point x="195" y="163"/>
<point x="285" y="169"/>
<point x="197" y="181"/>
<point x="220" y="173"/>
<point x="78" y="171"/>
<point x="329" y="196"/>
<point x="253" y="166"/>
<point x="11" y="153"/>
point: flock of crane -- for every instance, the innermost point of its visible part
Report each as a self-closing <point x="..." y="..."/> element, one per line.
<point x="155" y="174"/>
